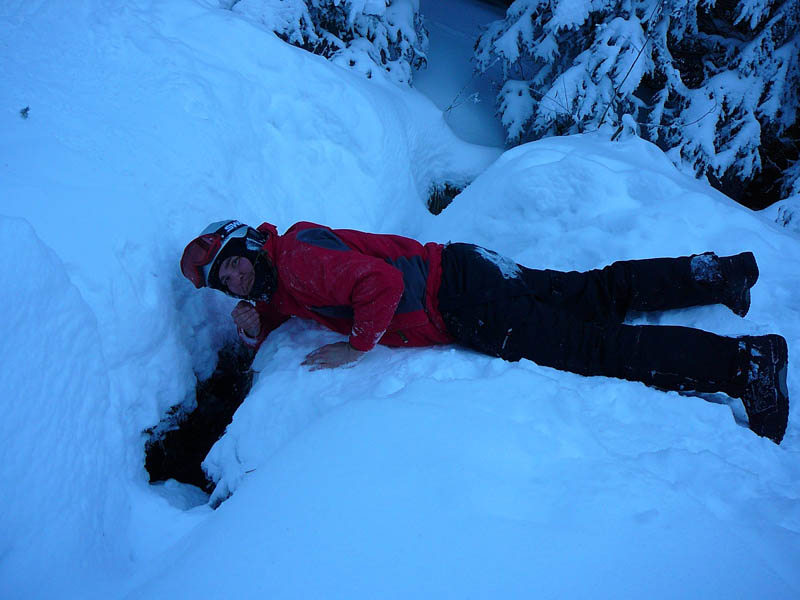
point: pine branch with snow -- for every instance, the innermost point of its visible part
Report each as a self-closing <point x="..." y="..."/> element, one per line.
<point x="370" y="36"/>
<point x="715" y="84"/>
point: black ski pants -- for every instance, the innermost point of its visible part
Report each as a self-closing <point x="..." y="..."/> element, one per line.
<point x="573" y="321"/>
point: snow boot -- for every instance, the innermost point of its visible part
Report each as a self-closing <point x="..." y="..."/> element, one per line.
<point x="763" y="390"/>
<point x="740" y="273"/>
<point x="732" y="276"/>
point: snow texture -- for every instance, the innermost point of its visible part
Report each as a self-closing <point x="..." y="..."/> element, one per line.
<point x="507" y="267"/>
<point x="373" y="37"/>
<point x="417" y="473"/>
<point x="787" y="213"/>
<point x="705" y="267"/>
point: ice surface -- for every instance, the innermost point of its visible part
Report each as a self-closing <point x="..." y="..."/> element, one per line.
<point x="417" y="473"/>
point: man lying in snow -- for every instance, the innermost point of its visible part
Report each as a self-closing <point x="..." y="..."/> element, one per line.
<point x="394" y="291"/>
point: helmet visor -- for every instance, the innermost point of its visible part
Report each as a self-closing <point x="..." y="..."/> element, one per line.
<point x="197" y="255"/>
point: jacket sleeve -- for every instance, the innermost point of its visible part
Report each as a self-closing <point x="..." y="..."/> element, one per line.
<point x="375" y="291"/>
<point x="323" y="271"/>
<point x="270" y="319"/>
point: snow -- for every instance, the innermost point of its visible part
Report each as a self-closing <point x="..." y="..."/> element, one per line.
<point x="507" y="267"/>
<point x="61" y="448"/>
<point x="449" y="80"/>
<point x="786" y="213"/>
<point x="705" y="267"/>
<point x="434" y="472"/>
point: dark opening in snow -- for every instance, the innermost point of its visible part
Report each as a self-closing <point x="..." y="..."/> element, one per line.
<point x="441" y="195"/>
<point x="177" y="446"/>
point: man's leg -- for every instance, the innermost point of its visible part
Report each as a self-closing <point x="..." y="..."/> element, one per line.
<point x="669" y="358"/>
<point x="649" y="284"/>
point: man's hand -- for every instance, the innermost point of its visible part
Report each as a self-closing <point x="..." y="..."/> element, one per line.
<point x="331" y="356"/>
<point x="247" y="318"/>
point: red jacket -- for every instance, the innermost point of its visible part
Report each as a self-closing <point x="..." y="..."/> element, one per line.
<point x="375" y="288"/>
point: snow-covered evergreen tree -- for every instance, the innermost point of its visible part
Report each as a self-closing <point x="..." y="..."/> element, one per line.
<point x="716" y="83"/>
<point x="371" y="36"/>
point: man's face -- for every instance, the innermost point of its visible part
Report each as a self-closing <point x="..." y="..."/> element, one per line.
<point x="237" y="274"/>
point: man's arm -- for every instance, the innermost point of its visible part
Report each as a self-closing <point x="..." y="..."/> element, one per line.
<point x="331" y="356"/>
<point x="374" y="295"/>
<point x="325" y="271"/>
<point x="373" y="289"/>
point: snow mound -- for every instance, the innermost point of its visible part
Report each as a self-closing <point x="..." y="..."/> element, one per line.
<point x="448" y="467"/>
<point x="141" y="127"/>
<point x="60" y="429"/>
<point x="578" y="202"/>
<point x="431" y="472"/>
<point x="786" y="213"/>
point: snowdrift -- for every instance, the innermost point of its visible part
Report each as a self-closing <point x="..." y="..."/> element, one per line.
<point x="458" y="470"/>
<point x="417" y="473"/>
<point x="127" y="132"/>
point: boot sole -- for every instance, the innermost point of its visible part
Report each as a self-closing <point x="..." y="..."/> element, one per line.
<point x="741" y="305"/>
<point x="772" y="423"/>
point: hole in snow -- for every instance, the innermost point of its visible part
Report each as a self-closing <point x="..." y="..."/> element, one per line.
<point x="177" y="446"/>
<point x="440" y="195"/>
